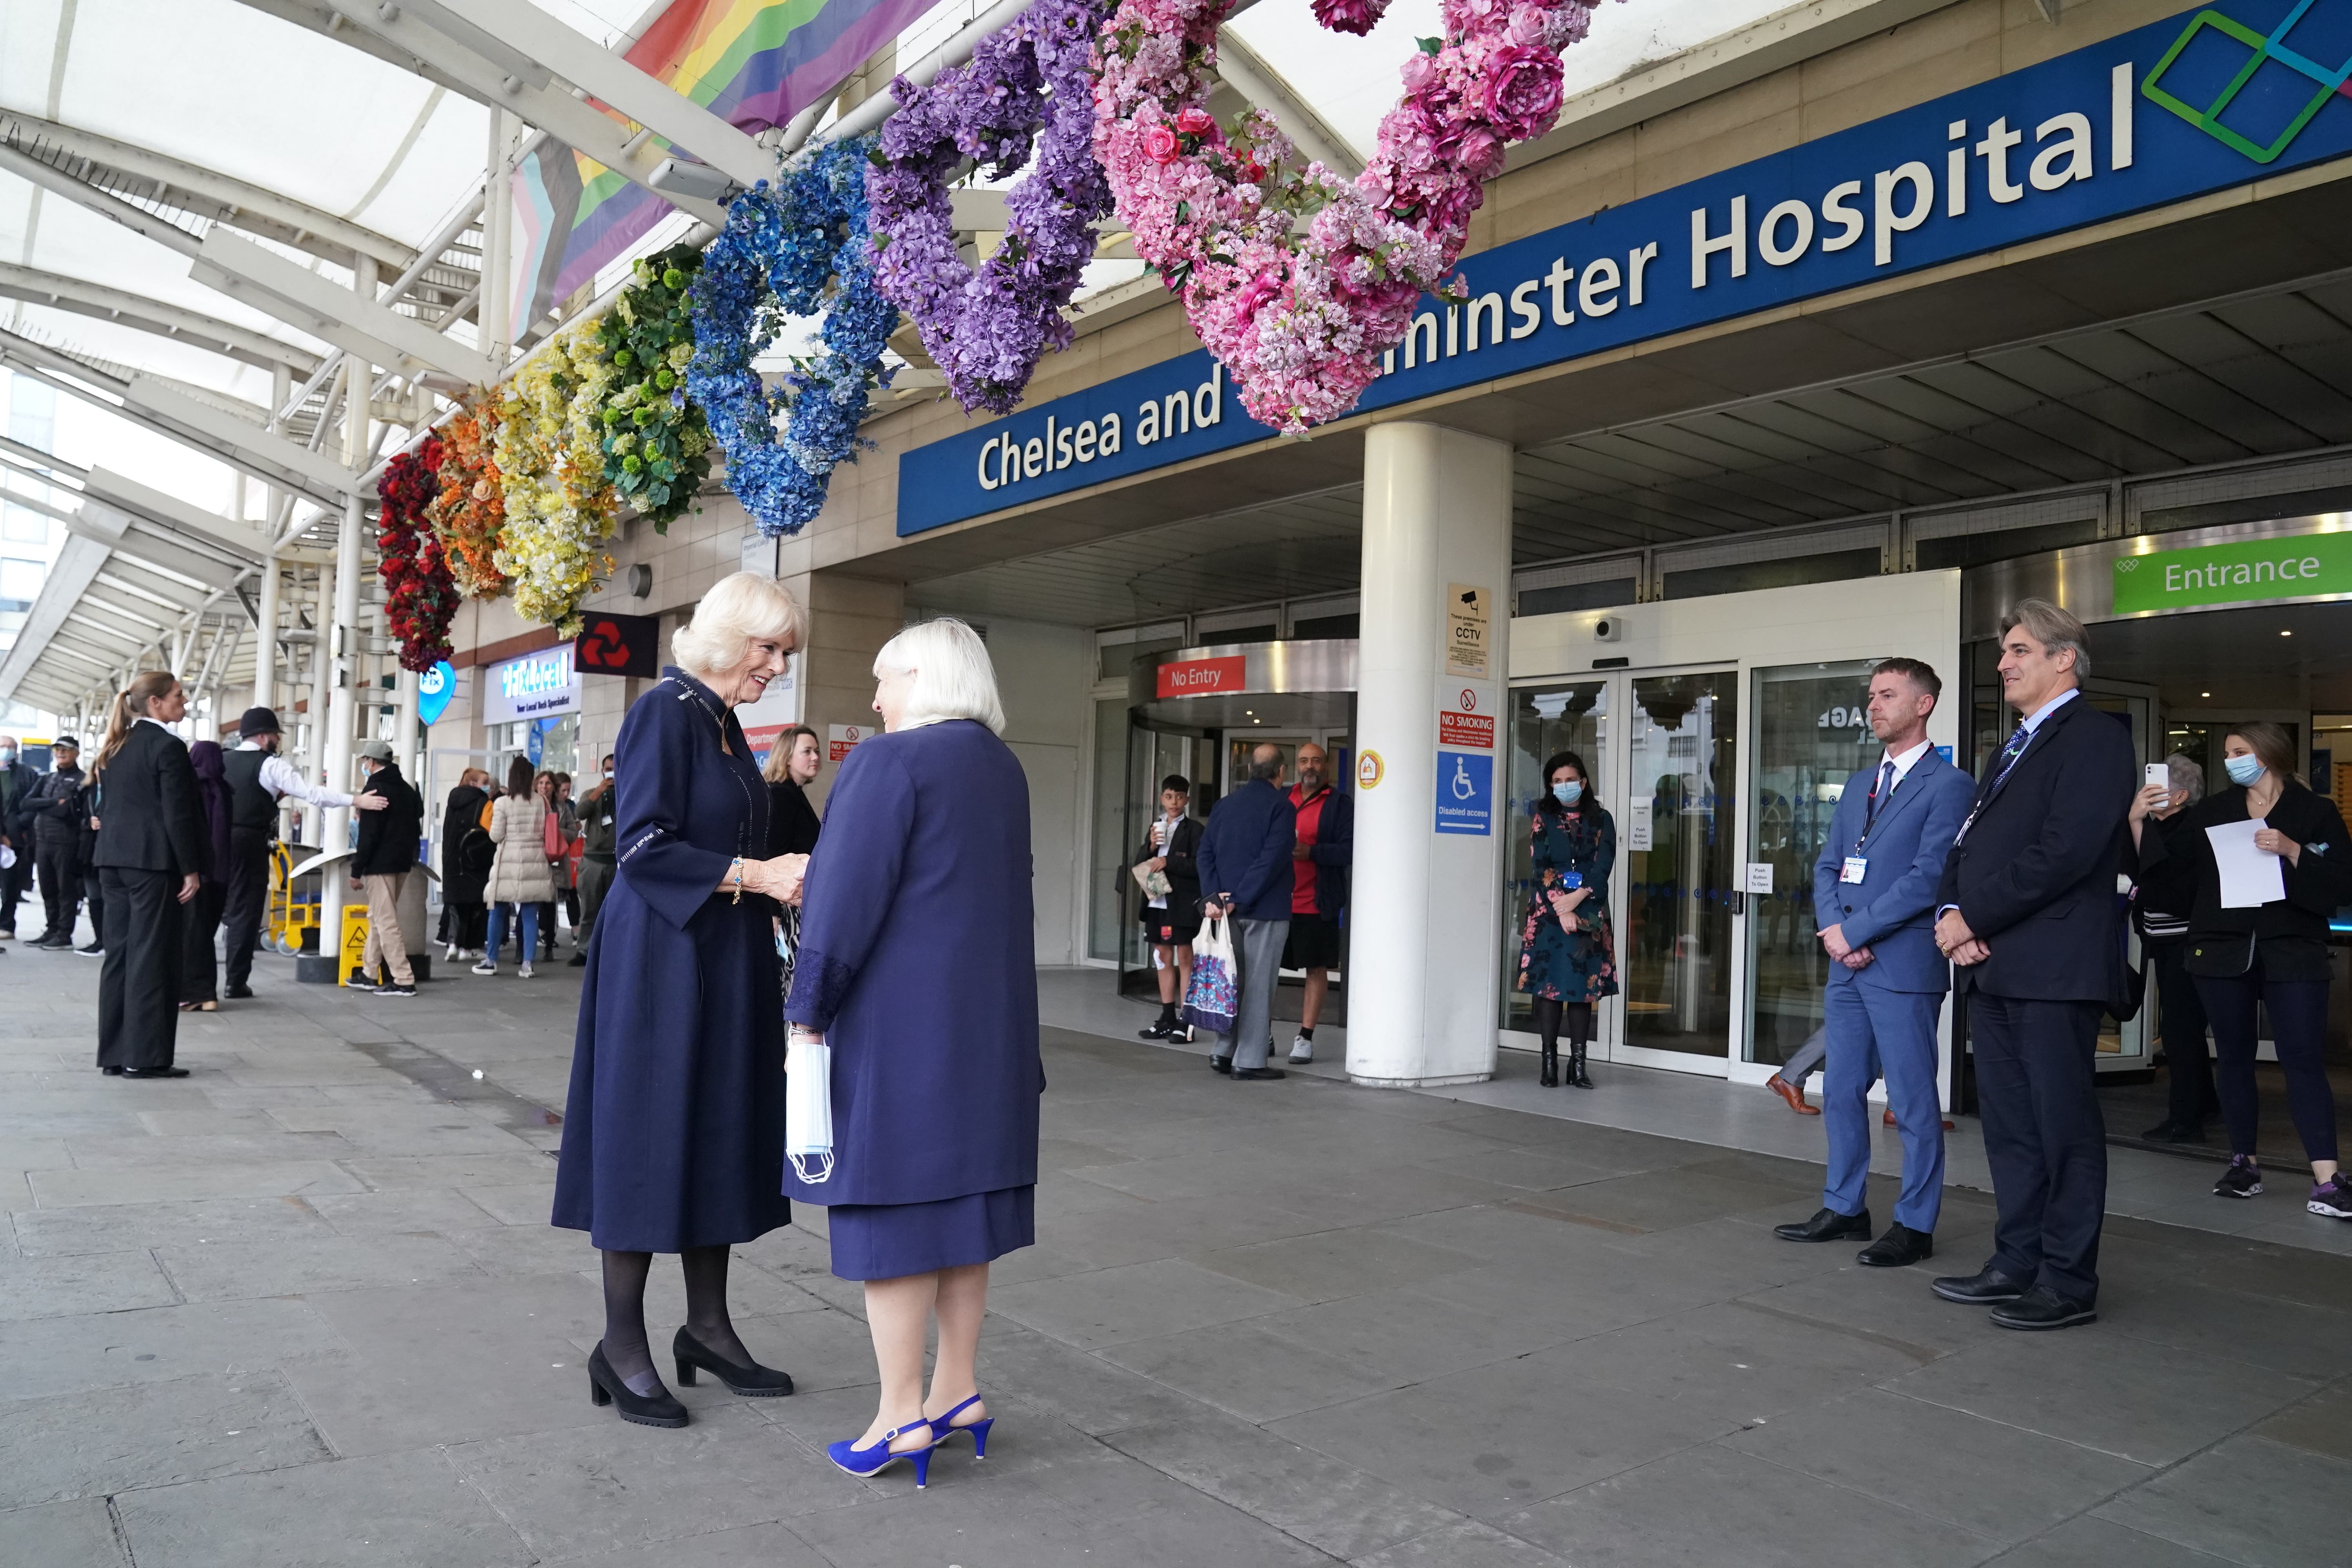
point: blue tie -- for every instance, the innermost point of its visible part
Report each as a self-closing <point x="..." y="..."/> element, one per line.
<point x="1883" y="788"/>
<point x="2010" y="753"/>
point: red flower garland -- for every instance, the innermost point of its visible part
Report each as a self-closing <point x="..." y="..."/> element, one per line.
<point x="420" y="597"/>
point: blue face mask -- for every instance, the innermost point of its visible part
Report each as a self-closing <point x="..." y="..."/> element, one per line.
<point x="1568" y="793"/>
<point x="2243" y="770"/>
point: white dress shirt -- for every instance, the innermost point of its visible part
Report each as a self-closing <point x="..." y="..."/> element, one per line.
<point x="1902" y="765"/>
<point x="282" y="778"/>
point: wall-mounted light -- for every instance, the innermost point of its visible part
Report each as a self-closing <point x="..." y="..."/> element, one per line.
<point x="640" y="580"/>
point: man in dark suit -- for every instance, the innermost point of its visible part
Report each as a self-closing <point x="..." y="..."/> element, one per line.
<point x="151" y="850"/>
<point x="1245" y="865"/>
<point x="2028" y="914"/>
<point x="1874" y="885"/>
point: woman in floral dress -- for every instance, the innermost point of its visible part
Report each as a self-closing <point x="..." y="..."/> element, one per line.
<point x="1568" y="960"/>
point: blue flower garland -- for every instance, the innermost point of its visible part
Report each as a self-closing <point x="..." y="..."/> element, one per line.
<point x="798" y="249"/>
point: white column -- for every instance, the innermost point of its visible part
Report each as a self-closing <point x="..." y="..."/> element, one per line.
<point x="322" y="683"/>
<point x="265" y="638"/>
<point x="1437" y="519"/>
<point x="497" y="206"/>
<point x="343" y="647"/>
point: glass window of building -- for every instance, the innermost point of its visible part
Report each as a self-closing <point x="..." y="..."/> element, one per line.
<point x="1545" y="721"/>
<point x="1675" y="838"/>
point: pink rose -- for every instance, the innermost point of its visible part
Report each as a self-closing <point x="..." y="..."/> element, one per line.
<point x="1523" y="90"/>
<point x="1419" y="71"/>
<point x="1159" y="145"/>
<point x="1356" y="16"/>
<point x="1195" y="121"/>
<point x="1253" y="296"/>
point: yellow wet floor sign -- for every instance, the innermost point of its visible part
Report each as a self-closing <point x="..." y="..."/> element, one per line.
<point x="355" y="935"/>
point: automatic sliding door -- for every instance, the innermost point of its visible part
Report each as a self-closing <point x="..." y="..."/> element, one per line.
<point x="1675" y="838"/>
<point x="1811" y="735"/>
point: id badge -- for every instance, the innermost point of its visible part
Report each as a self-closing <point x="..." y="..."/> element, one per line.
<point x="1856" y="867"/>
<point x="1571" y="881"/>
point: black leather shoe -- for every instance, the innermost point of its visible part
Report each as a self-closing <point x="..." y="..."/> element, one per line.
<point x="660" y="1409"/>
<point x="753" y="1382"/>
<point x="1827" y="1224"/>
<point x="1986" y="1288"/>
<point x="154" y="1072"/>
<point x="1221" y="1064"/>
<point x="1900" y="1247"/>
<point x="238" y="993"/>
<point x="1259" y="1073"/>
<point x="111" y="1072"/>
<point x="2043" y="1308"/>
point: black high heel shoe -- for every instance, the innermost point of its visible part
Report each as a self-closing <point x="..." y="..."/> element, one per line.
<point x="605" y="1388"/>
<point x="753" y="1382"/>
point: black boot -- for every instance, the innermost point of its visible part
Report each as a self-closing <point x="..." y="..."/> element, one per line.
<point x="1551" y="1078"/>
<point x="1576" y="1075"/>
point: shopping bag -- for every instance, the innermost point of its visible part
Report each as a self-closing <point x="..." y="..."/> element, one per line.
<point x="808" y="1109"/>
<point x="1210" y="1002"/>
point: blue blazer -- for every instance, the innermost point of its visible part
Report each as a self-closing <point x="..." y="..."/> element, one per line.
<point x="1892" y="910"/>
<point x="1247" y="851"/>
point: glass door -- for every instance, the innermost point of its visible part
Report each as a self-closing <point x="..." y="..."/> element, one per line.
<point x="2123" y="1048"/>
<point x="1675" y="835"/>
<point x="1811" y="735"/>
<point x="1545" y="721"/>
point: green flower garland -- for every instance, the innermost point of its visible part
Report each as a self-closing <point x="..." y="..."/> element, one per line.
<point x="657" y="444"/>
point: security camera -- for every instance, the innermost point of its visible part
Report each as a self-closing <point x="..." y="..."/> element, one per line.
<point x="1608" y="628"/>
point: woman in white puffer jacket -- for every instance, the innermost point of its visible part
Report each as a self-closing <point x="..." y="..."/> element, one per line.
<point x="520" y="878"/>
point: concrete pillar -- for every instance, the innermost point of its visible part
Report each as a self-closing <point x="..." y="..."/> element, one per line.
<point x="1437" y="523"/>
<point x="498" y="281"/>
<point x="322" y="685"/>
<point x="343" y="646"/>
<point x="849" y="620"/>
<point x="265" y="638"/>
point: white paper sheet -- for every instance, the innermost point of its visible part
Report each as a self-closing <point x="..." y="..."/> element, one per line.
<point x="2250" y="876"/>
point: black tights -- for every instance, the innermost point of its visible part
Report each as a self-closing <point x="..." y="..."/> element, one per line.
<point x="626" y="1345"/>
<point x="1551" y="1015"/>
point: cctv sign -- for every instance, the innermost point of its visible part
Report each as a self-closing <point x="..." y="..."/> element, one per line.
<point x="1469" y="631"/>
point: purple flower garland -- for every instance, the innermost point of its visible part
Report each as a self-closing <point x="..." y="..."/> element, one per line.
<point x="987" y="330"/>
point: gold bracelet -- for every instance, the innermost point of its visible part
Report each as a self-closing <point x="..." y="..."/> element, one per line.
<point x="738" y="880"/>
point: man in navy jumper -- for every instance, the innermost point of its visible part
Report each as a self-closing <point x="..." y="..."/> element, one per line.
<point x="1245" y="861"/>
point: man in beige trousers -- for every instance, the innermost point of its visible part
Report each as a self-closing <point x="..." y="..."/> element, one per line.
<point x="381" y="864"/>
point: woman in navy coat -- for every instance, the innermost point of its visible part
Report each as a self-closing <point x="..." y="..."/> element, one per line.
<point x="674" y="1130"/>
<point x="917" y="965"/>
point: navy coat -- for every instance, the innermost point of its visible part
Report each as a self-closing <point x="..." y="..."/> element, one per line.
<point x="1892" y="910"/>
<point x="1247" y="851"/>
<point x="919" y="961"/>
<point x="675" y="1129"/>
<point x="2034" y="875"/>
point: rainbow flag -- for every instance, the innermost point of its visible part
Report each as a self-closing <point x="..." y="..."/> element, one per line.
<point x="755" y="63"/>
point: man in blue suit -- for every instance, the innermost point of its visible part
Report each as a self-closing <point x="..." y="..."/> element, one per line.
<point x="1874" y="888"/>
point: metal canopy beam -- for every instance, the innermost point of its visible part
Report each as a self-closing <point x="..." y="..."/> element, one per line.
<point x="312" y="473"/>
<point x="243" y="540"/>
<point x="220" y="197"/>
<point x="416" y="44"/>
<point x="535" y="35"/>
<point x="153" y="316"/>
<point x="77" y="566"/>
<point x="346" y="318"/>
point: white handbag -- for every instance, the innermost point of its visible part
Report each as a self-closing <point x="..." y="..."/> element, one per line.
<point x="808" y="1109"/>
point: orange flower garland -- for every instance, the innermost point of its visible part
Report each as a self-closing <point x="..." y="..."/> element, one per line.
<point x="470" y="514"/>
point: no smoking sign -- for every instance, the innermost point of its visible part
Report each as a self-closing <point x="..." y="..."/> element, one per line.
<point x="1461" y="724"/>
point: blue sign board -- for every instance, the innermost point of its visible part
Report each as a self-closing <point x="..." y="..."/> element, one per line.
<point x="2208" y="100"/>
<point x="1465" y="793"/>
<point x="435" y="688"/>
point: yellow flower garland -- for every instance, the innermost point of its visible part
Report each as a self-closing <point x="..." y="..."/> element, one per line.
<point x="560" y="510"/>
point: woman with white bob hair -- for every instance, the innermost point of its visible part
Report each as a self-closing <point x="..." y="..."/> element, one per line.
<point x="916" y="967"/>
<point x="675" y="1129"/>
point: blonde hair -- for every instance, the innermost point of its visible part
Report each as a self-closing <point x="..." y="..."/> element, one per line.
<point x="738" y="611"/>
<point x="953" y="677"/>
<point x="131" y="705"/>
<point x="779" y="768"/>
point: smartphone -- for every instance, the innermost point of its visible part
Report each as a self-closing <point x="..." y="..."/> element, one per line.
<point x="2157" y="775"/>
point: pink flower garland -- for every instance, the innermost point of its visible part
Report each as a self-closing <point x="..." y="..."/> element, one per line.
<point x="1301" y="319"/>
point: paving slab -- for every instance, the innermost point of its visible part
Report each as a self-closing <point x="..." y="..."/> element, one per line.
<point x="98" y="1282"/>
<point x="178" y="1183"/>
<point x="109" y="1440"/>
<point x="207" y="1221"/>
<point x="77" y="1534"/>
<point x="2250" y="1500"/>
<point x="397" y="1510"/>
<point x="241" y="1270"/>
<point x="156" y="1344"/>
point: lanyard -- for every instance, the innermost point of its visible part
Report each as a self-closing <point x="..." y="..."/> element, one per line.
<point x="1870" y="807"/>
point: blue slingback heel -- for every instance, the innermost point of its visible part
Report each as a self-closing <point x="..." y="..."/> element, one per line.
<point x="866" y="1462"/>
<point x="944" y="1427"/>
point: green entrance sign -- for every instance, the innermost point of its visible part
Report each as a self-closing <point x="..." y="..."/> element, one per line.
<point x="2303" y="567"/>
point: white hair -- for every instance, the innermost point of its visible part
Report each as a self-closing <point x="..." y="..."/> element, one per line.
<point x="738" y="611"/>
<point x="953" y="677"/>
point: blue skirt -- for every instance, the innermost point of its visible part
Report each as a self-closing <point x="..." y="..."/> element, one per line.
<point x="888" y="1241"/>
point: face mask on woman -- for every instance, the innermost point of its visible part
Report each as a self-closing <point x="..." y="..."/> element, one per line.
<point x="1570" y="793"/>
<point x="2243" y="770"/>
